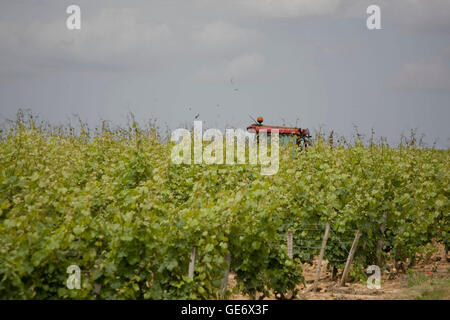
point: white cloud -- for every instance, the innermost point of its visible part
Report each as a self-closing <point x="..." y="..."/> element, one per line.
<point x="153" y="35"/>
<point x="113" y="38"/>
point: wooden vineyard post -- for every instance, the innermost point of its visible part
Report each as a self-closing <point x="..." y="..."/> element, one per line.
<point x="350" y="257"/>
<point x="225" y="277"/>
<point x="290" y="244"/>
<point x="322" y="251"/>
<point x="192" y="263"/>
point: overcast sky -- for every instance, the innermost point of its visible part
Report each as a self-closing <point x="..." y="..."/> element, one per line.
<point x="308" y="63"/>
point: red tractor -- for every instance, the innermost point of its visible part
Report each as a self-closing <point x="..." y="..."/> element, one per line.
<point x="301" y="136"/>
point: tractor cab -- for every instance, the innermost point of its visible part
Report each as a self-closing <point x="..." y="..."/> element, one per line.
<point x="286" y="134"/>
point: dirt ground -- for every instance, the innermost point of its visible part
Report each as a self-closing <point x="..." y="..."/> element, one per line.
<point x="417" y="283"/>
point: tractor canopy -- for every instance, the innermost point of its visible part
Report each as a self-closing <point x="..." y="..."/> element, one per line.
<point x="286" y="134"/>
<point x="281" y="130"/>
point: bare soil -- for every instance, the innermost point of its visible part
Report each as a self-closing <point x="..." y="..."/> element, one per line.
<point x="394" y="283"/>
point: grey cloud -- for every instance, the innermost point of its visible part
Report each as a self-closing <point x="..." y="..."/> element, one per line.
<point x="224" y="36"/>
<point x="111" y="38"/>
<point x="243" y="66"/>
<point x="425" y="16"/>
<point x="412" y="15"/>
<point x="431" y="74"/>
<point x="288" y="8"/>
<point x="312" y="60"/>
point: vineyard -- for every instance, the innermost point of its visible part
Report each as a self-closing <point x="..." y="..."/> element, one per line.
<point x="111" y="202"/>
